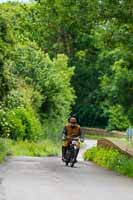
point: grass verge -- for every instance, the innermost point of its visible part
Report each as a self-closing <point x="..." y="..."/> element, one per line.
<point x="110" y="159"/>
<point x="27" y="148"/>
<point x="3" y="150"/>
<point x="93" y="136"/>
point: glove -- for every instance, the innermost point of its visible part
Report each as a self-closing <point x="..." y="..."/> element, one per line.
<point x="63" y="137"/>
<point x="81" y="139"/>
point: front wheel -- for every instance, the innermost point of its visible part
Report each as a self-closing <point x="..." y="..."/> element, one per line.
<point x="67" y="157"/>
<point x="67" y="163"/>
<point x="72" y="164"/>
<point x="72" y="158"/>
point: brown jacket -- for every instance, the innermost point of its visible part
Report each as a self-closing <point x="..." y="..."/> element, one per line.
<point x="72" y="131"/>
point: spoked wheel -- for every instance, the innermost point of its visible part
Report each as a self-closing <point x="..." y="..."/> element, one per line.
<point x="70" y="157"/>
<point x="72" y="160"/>
<point x="67" y="157"/>
<point x="67" y="163"/>
<point x="72" y="164"/>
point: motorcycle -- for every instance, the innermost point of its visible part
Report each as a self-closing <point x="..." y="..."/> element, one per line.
<point x="70" y="157"/>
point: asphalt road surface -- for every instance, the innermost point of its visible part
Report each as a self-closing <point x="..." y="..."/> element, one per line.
<point x="27" y="178"/>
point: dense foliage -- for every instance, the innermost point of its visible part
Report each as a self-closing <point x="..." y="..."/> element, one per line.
<point x="97" y="38"/>
<point x="110" y="159"/>
<point x="39" y="44"/>
<point x="34" y="88"/>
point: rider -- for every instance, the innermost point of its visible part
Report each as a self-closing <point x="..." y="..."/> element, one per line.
<point x="72" y="129"/>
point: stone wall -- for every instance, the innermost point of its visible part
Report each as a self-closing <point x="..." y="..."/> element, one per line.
<point x="121" y="147"/>
<point x="102" y="132"/>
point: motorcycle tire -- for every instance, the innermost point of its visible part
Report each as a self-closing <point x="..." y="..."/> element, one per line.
<point x="67" y="158"/>
<point x="67" y="163"/>
<point x="72" y="164"/>
<point x="72" y="160"/>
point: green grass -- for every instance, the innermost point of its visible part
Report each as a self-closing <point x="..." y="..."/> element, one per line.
<point x="93" y="136"/>
<point x="26" y="148"/>
<point x="110" y="159"/>
<point x="124" y="141"/>
<point x="3" y="150"/>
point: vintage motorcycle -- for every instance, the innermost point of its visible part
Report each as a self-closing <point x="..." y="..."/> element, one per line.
<point x="70" y="157"/>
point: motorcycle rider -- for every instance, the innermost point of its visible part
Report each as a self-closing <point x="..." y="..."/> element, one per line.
<point x="72" y="129"/>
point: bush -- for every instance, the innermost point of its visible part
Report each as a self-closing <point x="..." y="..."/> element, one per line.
<point x="53" y="129"/>
<point x="110" y="159"/>
<point x="117" y="118"/>
<point x="50" y="77"/>
<point x="20" y="123"/>
<point x="90" y="154"/>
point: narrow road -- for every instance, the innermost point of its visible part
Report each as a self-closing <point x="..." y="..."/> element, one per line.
<point x="27" y="178"/>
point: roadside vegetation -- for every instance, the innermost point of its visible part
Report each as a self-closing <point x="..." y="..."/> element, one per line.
<point x="92" y="136"/>
<point x="96" y="136"/>
<point x="26" y="148"/>
<point x="3" y="150"/>
<point x="62" y="57"/>
<point x="123" y="140"/>
<point x="110" y="159"/>
<point x="42" y="148"/>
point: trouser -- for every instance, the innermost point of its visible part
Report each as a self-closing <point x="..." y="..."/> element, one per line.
<point x="64" y="149"/>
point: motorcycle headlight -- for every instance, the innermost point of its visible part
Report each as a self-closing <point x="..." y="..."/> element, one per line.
<point x="73" y="142"/>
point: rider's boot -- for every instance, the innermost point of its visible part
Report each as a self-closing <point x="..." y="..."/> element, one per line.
<point x="76" y="154"/>
<point x="63" y="153"/>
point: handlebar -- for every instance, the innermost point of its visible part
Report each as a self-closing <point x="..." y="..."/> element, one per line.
<point x="75" y="138"/>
